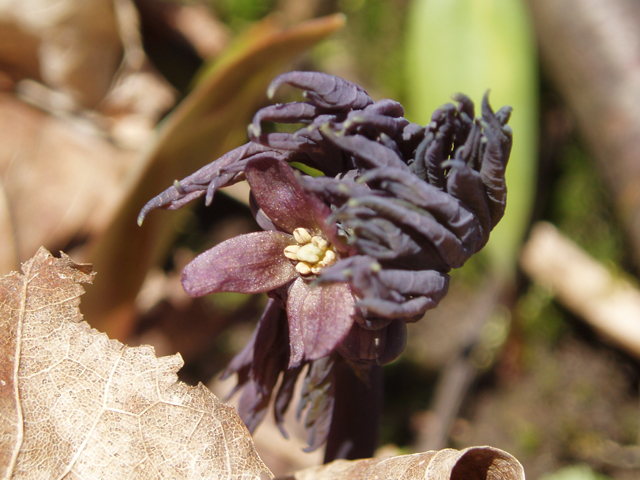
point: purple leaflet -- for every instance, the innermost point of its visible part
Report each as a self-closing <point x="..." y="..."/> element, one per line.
<point x="323" y="90"/>
<point x="366" y="153"/>
<point x="223" y="172"/>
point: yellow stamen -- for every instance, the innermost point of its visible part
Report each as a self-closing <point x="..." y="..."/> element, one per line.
<point x="330" y="258"/>
<point x="320" y="242"/>
<point x="303" y="268"/>
<point x="302" y="235"/>
<point x="292" y="252"/>
<point x="312" y="253"/>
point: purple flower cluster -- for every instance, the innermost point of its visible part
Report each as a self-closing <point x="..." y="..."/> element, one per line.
<point x="349" y="256"/>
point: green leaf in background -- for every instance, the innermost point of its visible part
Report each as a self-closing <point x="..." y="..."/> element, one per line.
<point x="210" y="121"/>
<point x="470" y="46"/>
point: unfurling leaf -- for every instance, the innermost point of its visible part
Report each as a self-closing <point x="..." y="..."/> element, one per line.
<point x="399" y="207"/>
<point x="75" y="404"/>
<point x="475" y="463"/>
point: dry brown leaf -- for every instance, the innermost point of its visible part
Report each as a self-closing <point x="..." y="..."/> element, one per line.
<point x="90" y="56"/>
<point x="8" y="253"/>
<point x="63" y="167"/>
<point x="62" y="179"/>
<point x="78" y="43"/>
<point x="18" y="49"/>
<point x="75" y="404"/>
<point x="474" y="463"/>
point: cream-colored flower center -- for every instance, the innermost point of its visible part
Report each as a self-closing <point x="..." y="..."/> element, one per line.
<point x="312" y="253"/>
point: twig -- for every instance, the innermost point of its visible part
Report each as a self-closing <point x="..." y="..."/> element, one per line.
<point x="608" y="303"/>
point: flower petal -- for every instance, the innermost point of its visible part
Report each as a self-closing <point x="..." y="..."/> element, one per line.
<point x="253" y="404"/>
<point x="266" y="369"/>
<point x="279" y="194"/>
<point x="249" y="263"/>
<point x="318" y="398"/>
<point x="271" y="351"/>
<point x="296" y="296"/>
<point x="284" y="396"/>
<point x="319" y="319"/>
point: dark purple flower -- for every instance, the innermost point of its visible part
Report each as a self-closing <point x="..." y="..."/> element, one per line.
<point x="350" y="256"/>
<point x="292" y="253"/>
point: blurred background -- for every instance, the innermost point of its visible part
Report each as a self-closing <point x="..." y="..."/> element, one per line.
<point x="103" y="103"/>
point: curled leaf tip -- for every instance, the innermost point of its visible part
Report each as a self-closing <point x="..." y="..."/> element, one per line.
<point x="150" y="205"/>
<point x="253" y="130"/>
<point x="271" y="91"/>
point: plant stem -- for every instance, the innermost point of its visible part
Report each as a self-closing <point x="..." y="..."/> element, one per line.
<point x="356" y="414"/>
